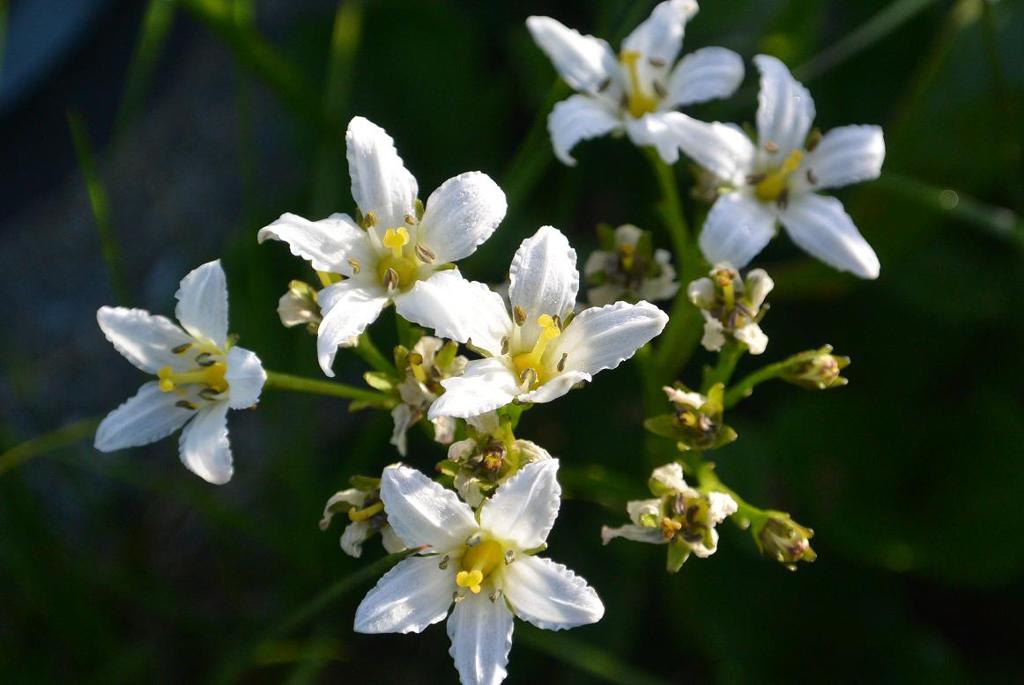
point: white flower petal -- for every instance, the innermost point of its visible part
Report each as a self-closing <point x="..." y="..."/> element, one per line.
<point x="639" y="508"/>
<point x="486" y="385"/>
<point x="457" y="309"/>
<point x="353" y="537"/>
<point x="556" y="387"/>
<point x="656" y="130"/>
<point x="583" y="62"/>
<point x="402" y="417"/>
<point x="392" y="543"/>
<point x="701" y="292"/>
<point x="327" y="244"/>
<point x="245" y="377"/>
<point x="723" y="150"/>
<point x="462" y="213"/>
<point x="713" y="338"/>
<point x="203" y="303"/>
<point x="753" y="337"/>
<point x="380" y="182"/>
<point x="785" y="109"/>
<point x="737" y="228"/>
<point x="821" y="226"/>
<point x="144" y="339"/>
<point x="149" y="416"/>
<point x="544" y="279"/>
<point x="757" y="285"/>
<point x="549" y="595"/>
<point x="702" y="75"/>
<point x="351" y="496"/>
<point x="204" y="446"/>
<point x="720" y="507"/>
<point x="671" y="477"/>
<point x="422" y="512"/>
<point x="523" y="508"/>
<point x="603" y="337"/>
<point x="578" y="117"/>
<point x="348" y="308"/>
<point x="481" y="635"/>
<point x="660" y="36"/>
<point x="845" y="155"/>
<point x="408" y="598"/>
<point x="635" y="533"/>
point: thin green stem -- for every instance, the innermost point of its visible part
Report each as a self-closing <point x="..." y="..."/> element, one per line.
<point x="370" y="354"/>
<point x="728" y="357"/>
<point x="745" y="387"/>
<point x="312" y="386"/>
<point x="671" y="207"/>
<point x="47" y="442"/>
<point x="708" y="480"/>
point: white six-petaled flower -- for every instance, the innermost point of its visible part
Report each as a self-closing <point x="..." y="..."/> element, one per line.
<point x="394" y="248"/>
<point x="485" y="565"/>
<point x="637" y="92"/>
<point x="775" y="180"/>
<point x="200" y="375"/>
<point x="539" y="350"/>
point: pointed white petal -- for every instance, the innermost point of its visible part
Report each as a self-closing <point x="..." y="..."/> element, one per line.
<point x="408" y="598"/>
<point x="544" y="279"/>
<point x="402" y="417"/>
<point x="632" y="532"/>
<point x="353" y="537"/>
<point x="705" y="74"/>
<point x="583" y="62"/>
<point x="348" y="308"/>
<point x="753" y="337"/>
<point x="737" y="228"/>
<point x="845" y="155"/>
<point x="714" y="333"/>
<point x="660" y="36"/>
<point x="723" y="150"/>
<point x="203" y="303"/>
<point x="327" y="244"/>
<point x="421" y="512"/>
<point x="579" y="117"/>
<point x="601" y="338"/>
<point x="656" y="130"/>
<point x="481" y="635"/>
<point x="144" y="339"/>
<point x="670" y="476"/>
<point x="457" y="309"/>
<point x="549" y="595"/>
<point x="204" y="446"/>
<point x="821" y="226"/>
<point x="245" y="377"/>
<point x="486" y="385"/>
<point x="555" y="387"/>
<point x="462" y="213"/>
<point x="149" y="416"/>
<point x="785" y="109"/>
<point x="720" y="506"/>
<point x="523" y="508"/>
<point x="380" y="182"/>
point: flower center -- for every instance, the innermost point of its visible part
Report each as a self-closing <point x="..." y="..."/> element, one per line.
<point x="477" y="563"/>
<point x="529" y="367"/>
<point x="639" y="103"/>
<point x="774" y="183"/>
<point x="396" y="271"/>
<point x="210" y="372"/>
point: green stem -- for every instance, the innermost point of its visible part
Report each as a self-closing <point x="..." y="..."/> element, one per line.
<point x="284" y="381"/>
<point x="745" y="387"/>
<point x="728" y="357"/>
<point x="671" y="206"/>
<point x="370" y="354"/>
<point x="55" y="439"/>
<point x="746" y="513"/>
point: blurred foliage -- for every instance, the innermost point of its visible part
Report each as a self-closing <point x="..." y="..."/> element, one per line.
<point x="126" y="568"/>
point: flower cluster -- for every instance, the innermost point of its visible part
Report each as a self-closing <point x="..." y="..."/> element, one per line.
<point x="470" y="360"/>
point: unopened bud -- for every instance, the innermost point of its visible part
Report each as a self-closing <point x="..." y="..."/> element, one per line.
<point x="298" y="306"/>
<point x="781" y="538"/>
<point x="816" y="369"/>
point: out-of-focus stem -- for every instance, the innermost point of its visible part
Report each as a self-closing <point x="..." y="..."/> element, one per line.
<point x="312" y="386"/>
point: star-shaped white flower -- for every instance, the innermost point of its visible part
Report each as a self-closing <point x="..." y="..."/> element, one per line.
<point x="200" y="375"/>
<point x="639" y="91"/>
<point x="485" y="566"/>
<point x="395" y="248"/>
<point x="539" y="350"/>
<point x="775" y="181"/>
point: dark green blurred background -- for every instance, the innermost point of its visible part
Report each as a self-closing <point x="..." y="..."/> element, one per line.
<point x="208" y="118"/>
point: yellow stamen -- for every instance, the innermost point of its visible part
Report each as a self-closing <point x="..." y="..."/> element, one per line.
<point x="532" y="360"/>
<point x="640" y="103"/>
<point x="477" y="564"/>
<point x="395" y="239"/>
<point x="627" y="253"/>
<point x="368" y="512"/>
<point x="418" y="372"/>
<point x="670" y="527"/>
<point x="211" y="376"/>
<point x="771" y="187"/>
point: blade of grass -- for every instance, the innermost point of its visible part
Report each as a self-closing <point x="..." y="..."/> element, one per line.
<point x="47" y="442"/>
<point x="596" y="661"/>
<point x="100" y="204"/>
<point x="156" y="24"/>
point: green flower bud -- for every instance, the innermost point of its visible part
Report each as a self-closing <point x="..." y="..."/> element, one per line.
<point x="816" y="369"/>
<point x="781" y="538"/>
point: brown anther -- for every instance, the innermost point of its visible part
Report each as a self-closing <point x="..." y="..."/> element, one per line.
<point x="205" y="359"/>
<point x="209" y="394"/>
<point x="494" y="596"/>
<point x="354" y="263"/>
<point x="558" y="321"/>
<point x="659" y="89"/>
<point x="425" y="254"/>
<point x="603" y="85"/>
<point x="519" y="315"/>
<point x="656" y="62"/>
<point x="510" y="556"/>
<point x="390" y="278"/>
<point x="813" y="138"/>
<point x="812" y="178"/>
<point x="561" y="362"/>
<point x="783" y="200"/>
<point x="770" y="147"/>
<point x="754" y="179"/>
<point x="669" y="527"/>
<point x="528" y="377"/>
<point x="185" y="404"/>
<point x="444" y="562"/>
<point x="369" y="220"/>
<point x="411" y="220"/>
<point x="182" y="348"/>
<point x="504" y="345"/>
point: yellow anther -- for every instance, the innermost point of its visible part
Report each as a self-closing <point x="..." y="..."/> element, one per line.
<point x="627" y="253"/>
<point x="418" y="372"/>
<point x="639" y="102"/>
<point x="531" y="361"/>
<point x="771" y="187"/>
<point x="211" y="376"/>
<point x="363" y="514"/>
<point x="477" y="563"/>
<point x="670" y="527"/>
<point x="469" y="579"/>
<point x="395" y="239"/>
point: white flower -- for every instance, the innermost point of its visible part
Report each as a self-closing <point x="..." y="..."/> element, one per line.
<point x="200" y="375"/>
<point x="639" y="91"/>
<point x="775" y="181"/>
<point x="395" y="246"/>
<point x="732" y="306"/>
<point x="366" y="517"/>
<point x="420" y="388"/>
<point x="629" y="270"/>
<point x="679" y="516"/>
<point x="486" y="567"/>
<point x="539" y="351"/>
